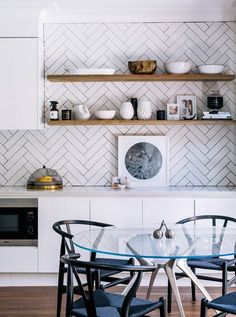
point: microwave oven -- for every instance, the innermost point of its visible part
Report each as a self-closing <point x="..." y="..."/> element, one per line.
<point x="18" y="222"/>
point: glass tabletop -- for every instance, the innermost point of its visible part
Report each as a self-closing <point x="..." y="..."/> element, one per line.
<point x="189" y="241"/>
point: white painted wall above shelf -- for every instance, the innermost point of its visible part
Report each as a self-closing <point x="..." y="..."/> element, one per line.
<point x="143" y="77"/>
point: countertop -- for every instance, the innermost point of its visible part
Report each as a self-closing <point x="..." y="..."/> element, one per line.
<point x="192" y="192"/>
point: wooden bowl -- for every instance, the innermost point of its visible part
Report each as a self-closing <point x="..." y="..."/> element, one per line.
<point x="142" y="67"/>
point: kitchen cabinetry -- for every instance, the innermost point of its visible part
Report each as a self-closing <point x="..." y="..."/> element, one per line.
<point x="50" y="211"/>
<point x="19" y="259"/>
<point x="217" y="206"/>
<point x="170" y="210"/>
<point x="117" y="211"/>
<point x="19" y="82"/>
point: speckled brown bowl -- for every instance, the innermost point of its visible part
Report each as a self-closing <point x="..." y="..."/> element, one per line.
<point x="142" y="67"/>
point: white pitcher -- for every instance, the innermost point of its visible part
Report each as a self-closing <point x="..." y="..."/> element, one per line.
<point x="126" y="110"/>
<point x="144" y="110"/>
<point x="81" y="112"/>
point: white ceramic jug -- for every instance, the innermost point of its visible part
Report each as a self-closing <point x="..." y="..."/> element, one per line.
<point x="144" y="110"/>
<point x="126" y="110"/>
<point x="81" y="112"/>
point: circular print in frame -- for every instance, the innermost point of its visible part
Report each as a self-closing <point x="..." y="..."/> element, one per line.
<point x="143" y="160"/>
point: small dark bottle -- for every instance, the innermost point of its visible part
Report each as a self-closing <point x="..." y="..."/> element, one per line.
<point x="134" y="102"/>
<point x="54" y="112"/>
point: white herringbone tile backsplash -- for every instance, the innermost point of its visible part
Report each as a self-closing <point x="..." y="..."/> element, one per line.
<point x="87" y="155"/>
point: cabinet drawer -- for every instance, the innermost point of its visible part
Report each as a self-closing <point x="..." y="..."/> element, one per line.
<point x="18" y="259"/>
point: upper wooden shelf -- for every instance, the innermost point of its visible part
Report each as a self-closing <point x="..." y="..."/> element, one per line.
<point x="139" y="122"/>
<point x="130" y="77"/>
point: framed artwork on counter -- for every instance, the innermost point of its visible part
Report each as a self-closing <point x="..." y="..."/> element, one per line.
<point x="144" y="159"/>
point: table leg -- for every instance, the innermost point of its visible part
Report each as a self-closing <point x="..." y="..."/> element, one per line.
<point x="169" y="269"/>
<point x="152" y="279"/>
<point x="183" y="266"/>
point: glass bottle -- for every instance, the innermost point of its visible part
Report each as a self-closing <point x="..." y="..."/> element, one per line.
<point x="54" y="112"/>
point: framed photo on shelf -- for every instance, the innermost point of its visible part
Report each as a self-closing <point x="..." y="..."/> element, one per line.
<point x="187" y="107"/>
<point x="172" y="111"/>
<point x="144" y="159"/>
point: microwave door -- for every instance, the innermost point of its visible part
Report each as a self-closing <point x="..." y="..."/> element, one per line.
<point x="9" y="225"/>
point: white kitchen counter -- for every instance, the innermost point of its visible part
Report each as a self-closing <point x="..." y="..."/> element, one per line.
<point x="193" y="192"/>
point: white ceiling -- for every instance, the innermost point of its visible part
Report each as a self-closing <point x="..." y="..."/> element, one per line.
<point x="144" y="4"/>
<point x="159" y="10"/>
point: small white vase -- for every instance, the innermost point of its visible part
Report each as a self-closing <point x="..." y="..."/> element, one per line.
<point x="126" y="110"/>
<point x="81" y="112"/>
<point x="144" y="110"/>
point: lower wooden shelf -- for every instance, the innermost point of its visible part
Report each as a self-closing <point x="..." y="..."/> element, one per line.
<point x="138" y="122"/>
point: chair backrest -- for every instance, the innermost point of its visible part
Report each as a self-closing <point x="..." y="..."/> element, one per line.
<point x="214" y="220"/>
<point x="67" y="228"/>
<point x="92" y="296"/>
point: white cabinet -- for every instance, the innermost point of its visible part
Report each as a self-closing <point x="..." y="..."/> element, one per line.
<point x="19" y="83"/>
<point x="117" y="211"/>
<point x="217" y="206"/>
<point x="50" y="211"/>
<point x="18" y="259"/>
<point x="168" y="209"/>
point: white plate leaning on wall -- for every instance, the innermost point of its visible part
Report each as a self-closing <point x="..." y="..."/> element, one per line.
<point x="144" y="159"/>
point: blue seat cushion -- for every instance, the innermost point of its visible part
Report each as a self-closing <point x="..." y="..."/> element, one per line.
<point x="138" y="307"/>
<point x="226" y="303"/>
<point x="110" y="304"/>
<point x="211" y="264"/>
<point x="101" y="312"/>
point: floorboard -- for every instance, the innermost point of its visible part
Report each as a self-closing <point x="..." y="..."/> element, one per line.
<point x="41" y="301"/>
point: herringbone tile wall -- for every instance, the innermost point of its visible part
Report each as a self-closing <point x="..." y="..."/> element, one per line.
<point x="87" y="155"/>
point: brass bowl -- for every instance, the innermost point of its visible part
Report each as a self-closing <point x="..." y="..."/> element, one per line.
<point x="142" y="67"/>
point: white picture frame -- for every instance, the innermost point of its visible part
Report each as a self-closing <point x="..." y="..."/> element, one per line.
<point x="172" y="111"/>
<point x="187" y="107"/>
<point x="144" y="159"/>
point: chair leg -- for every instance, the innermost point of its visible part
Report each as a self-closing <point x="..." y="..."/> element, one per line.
<point x="163" y="307"/>
<point x="169" y="297"/>
<point x="203" y="312"/>
<point x="193" y="287"/>
<point x="60" y="290"/>
<point x="224" y="279"/>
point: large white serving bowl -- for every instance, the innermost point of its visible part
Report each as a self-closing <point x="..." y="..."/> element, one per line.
<point x="105" y="114"/>
<point x="210" y="69"/>
<point x="177" y="67"/>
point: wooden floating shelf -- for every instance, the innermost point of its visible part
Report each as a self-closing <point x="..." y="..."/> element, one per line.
<point x="130" y="77"/>
<point x="138" y="122"/>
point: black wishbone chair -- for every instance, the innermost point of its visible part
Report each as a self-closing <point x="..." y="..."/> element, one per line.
<point x="224" y="265"/>
<point x="97" y="301"/>
<point x="66" y="228"/>
<point x="225" y="304"/>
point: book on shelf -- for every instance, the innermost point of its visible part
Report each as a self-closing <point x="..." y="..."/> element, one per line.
<point x="220" y="115"/>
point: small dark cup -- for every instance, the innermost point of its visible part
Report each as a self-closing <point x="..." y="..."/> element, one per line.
<point x="66" y="114"/>
<point x="161" y="115"/>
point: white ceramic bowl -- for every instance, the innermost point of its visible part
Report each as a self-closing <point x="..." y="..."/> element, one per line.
<point x="177" y="67"/>
<point x="210" y="69"/>
<point x="130" y="184"/>
<point x="105" y="114"/>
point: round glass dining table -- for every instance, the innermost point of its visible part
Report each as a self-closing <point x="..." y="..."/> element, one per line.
<point x="188" y="241"/>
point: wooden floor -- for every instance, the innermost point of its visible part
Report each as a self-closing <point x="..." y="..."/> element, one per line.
<point x="41" y="301"/>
